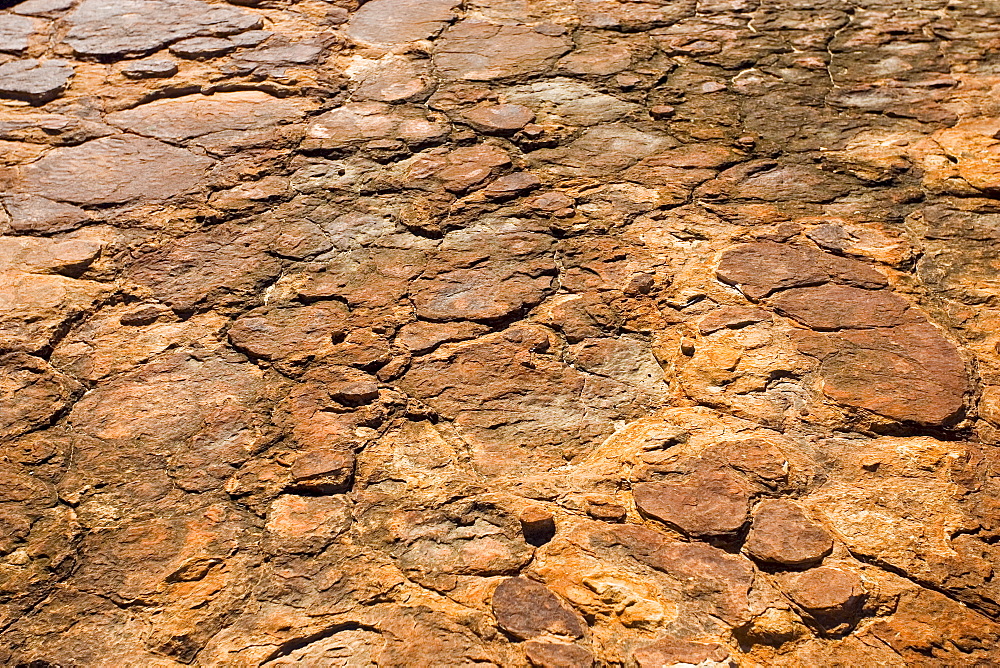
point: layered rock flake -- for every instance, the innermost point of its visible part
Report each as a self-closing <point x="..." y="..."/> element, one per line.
<point x="513" y="333"/>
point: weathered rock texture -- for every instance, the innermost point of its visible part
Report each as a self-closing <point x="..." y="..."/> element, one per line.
<point x="555" y="333"/>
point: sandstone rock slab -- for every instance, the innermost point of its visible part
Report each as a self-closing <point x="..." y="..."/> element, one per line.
<point x="706" y="505"/>
<point x="36" y="81"/>
<point x="480" y="51"/>
<point x="201" y="48"/>
<point x="388" y="22"/>
<point x="909" y="373"/>
<point x="150" y="69"/>
<point x="130" y="169"/>
<point x="499" y="119"/>
<point x="109" y="28"/>
<point x="761" y="268"/>
<point x="34" y="214"/>
<point x="180" y="118"/>
<point x="557" y="655"/>
<point x="829" y="307"/>
<point x="831" y="595"/>
<point x="782" y="534"/>
<point x="15" y="32"/>
<point x="527" y="609"/>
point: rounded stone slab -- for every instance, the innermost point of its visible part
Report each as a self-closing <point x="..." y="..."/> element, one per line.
<point x="114" y="170"/>
<point x="388" y="22"/>
<point x="392" y="79"/>
<point x="500" y="118"/>
<point x="825" y="589"/>
<point x="14" y="32"/>
<point x="33" y="80"/>
<point x="33" y="214"/>
<point x="41" y="7"/>
<point x="759" y="269"/>
<point x="910" y="373"/>
<point x="827" y="307"/>
<point x="480" y="51"/>
<point x="832" y="597"/>
<point x="47" y="256"/>
<point x="197" y="115"/>
<point x="782" y="534"/>
<point x="150" y="69"/>
<point x="527" y="609"/>
<point x="202" y="47"/>
<point x="703" y="504"/>
<point x="106" y="28"/>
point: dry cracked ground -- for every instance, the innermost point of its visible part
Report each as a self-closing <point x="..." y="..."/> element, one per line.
<point x="560" y="333"/>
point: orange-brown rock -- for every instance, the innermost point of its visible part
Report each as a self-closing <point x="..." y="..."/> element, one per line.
<point x="830" y="595"/>
<point x="759" y="269"/>
<point x="705" y="504"/>
<point x="526" y="609"/>
<point x="671" y="651"/>
<point x="561" y="333"/>
<point x="557" y="655"/>
<point x="781" y="533"/>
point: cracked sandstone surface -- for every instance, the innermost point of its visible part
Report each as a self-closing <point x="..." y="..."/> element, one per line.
<point x="554" y="333"/>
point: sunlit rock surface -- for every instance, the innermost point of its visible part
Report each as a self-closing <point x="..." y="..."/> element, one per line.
<point x="553" y="333"/>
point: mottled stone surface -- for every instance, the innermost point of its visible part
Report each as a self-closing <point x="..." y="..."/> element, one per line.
<point x="128" y="168"/>
<point x="35" y="81"/>
<point x="552" y="333"/>
<point x="110" y="28"/>
<point x="526" y="609"/>
<point x="15" y="33"/>
<point x="190" y="116"/>
<point x="387" y="22"/>
<point x="782" y="534"/>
